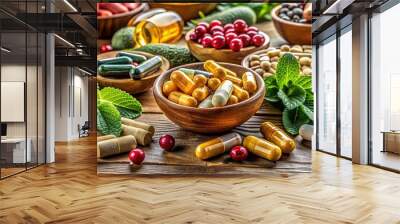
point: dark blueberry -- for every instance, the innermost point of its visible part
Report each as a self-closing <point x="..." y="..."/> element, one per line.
<point x="283" y="10"/>
<point x="296" y="17"/>
<point x="282" y="15"/>
<point x="286" y="18"/>
<point x="285" y="5"/>
<point x="302" y="21"/>
<point x="289" y="14"/>
<point x="292" y="6"/>
<point x="297" y="11"/>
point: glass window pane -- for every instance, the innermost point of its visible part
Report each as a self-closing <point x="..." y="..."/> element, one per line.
<point x="346" y="94"/>
<point x="385" y="84"/>
<point x="327" y="96"/>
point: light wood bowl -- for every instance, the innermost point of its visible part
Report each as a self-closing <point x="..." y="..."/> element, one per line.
<point x="108" y="25"/>
<point x="209" y="120"/>
<point x="129" y="85"/>
<point x="187" y="11"/>
<point x="294" y="33"/>
<point x="222" y="55"/>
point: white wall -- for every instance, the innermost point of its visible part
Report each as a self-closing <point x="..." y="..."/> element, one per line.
<point x="71" y="103"/>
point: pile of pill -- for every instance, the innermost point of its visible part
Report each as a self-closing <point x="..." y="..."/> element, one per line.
<point x="265" y="63"/>
<point x="125" y="63"/>
<point x="271" y="147"/>
<point x="217" y="86"/>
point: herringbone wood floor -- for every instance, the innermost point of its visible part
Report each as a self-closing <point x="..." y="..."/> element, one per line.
<point x="70" y="192"/>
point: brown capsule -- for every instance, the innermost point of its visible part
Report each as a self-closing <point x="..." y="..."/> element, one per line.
<point x="262" y="148"/>
<point x="234" y="80"/>
<point x="277" y="136"/>
<point x="232" y="100"/>
<point x="182" y="99"/>
<point x="240" y="93"/>
<point x="200" y="80"/>
<point x="249" y="82"/>
<point x="217" y="146"/>
<point x="214" y="83"/>
<point x="200" y="93"/>
<point x="168" y="87"/>
<point x="183" y="82"/>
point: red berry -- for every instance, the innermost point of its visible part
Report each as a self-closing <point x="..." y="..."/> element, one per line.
<point x="251" y="33"/>
<point x="238" y="153"/>
<point x="207" y="41"/>
<point x="204" y="24"/>
<point x="246" y="39"/>
<point x="193" y="36"/>
<point x="218" y="42"/>
<point x="228" y="26"/>
<point x="230" y="31"/>
<point x="105" y="48"/>
<point x="216" y="29"/>
<point x="200" y="40"/>
<point x="200" y="31"/>
<point x="258" y="40"/>
<point x="136" y="156"/>
<point x="216" y="33"/>
<point x="252" y="28"/>
<point x="229" y="37"/>
<point x="167" y="142"/>
<point x="240" y="25"/>
<point x="236" y="44"/>
<point x="215" y="23"/>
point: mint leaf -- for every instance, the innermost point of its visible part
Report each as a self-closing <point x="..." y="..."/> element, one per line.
<point x="293" y="119"/>
<point x="271" y="93"/>
<point x="292" y="96"/>
<point x="108" y="118"/>
<point x="307" y="111"/>
<point x="288" y="68"/>
<point x="305" y="82"/>
<point x="127" y="105"/>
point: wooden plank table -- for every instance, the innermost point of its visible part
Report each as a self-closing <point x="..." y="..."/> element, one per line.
<point x="183" y="161"/>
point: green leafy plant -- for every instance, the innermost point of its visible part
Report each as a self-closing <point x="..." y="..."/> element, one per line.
<point x="262" y="10"/>
<point x="291" y="92"/>
<point x="112" y="104"/>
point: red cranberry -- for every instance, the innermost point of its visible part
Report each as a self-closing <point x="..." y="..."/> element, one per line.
<point x="216" y="28"/>
<point x="207" y="41"/>
<point x="204" y="24"/>
<point x="228" y="26"/>
<point x="230" y="31"/>
<point x="240" y="25"/>
<point x="239" y="153"/>
<point x="218" y="42"/>
<point x="136" y="156"/>
<point x="105" y="48"/>
<point x="167" y="142"/>
<point x="215" y="23"/>
<point x="193" y="36"/>
<point x="246" y="39"/>
<point x="216" y="33"/>
<point x="229" y="37"/>
<point x="258" y="40"/>
<point x="251" y="33"/>
<point x="236" y="44"/>
<point x="252" y="28"/>
<point x="200" y="31"/>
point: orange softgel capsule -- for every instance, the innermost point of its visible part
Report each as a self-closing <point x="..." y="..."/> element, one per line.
<point x="249" y="82"/>
<point x="278" y="137"/>
<point x="169" y="87"/>
<point x="182" y="99"/>
<point x="200" y="93"/>
<point x="217" y="146"/>
<point x="183" y="82"/>
<point x="240" y="93"/>
<point x="262" y="148"/>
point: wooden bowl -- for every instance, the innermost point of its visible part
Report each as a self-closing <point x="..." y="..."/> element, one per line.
<point x="108" y="25"/>
<point x="294" y="33"/>
<point x="246" y="60"/>
<point x="209" y="120"/>
<point x="129" y="85"/>
<point x="222" y="55"/>
<point x="187" y="11"/>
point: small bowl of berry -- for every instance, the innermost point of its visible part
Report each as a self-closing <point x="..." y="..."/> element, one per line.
<point x="293" y="22"/>
<point x="229" y="42"/>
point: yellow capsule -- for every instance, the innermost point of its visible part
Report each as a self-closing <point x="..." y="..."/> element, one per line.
<point x="278" y="136"/>
<point x="232" y="100"/>
<point x="183" y="82"/>
<point x="200" y="93"/>
<point x="222" y="94"/>
<point x="262" y="148"/>
<point x="207" y="103"/>
<point x="213" y="83"/>
<point x="215" y="69"/>
<point x="217" y="146"/>
<point x="169" y="87"/>
<point x="240" y="93"/>
<point x="182" y="99"/>
<point x="249" y="82"/>
<point x="200" y="80"/>
<point x="234" y="80"/>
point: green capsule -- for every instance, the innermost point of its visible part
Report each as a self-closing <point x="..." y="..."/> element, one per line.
<point x="147" y="67"/>
<point x="206" y="103"/>
<point x="192" y="72"/>
<point x="135" y="57"/>
<point x="201" y="72"/>
<point x="107" y="70"/>
<point x="188" y="72"/>
<point x="115" y="61"/>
